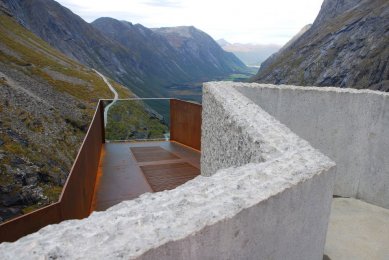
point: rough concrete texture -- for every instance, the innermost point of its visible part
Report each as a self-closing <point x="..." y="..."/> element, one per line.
<point x="350" y="126"/>
<point x="236" y="131"/>
<point x="274" y="209"/>
<point x="357" y="230"/>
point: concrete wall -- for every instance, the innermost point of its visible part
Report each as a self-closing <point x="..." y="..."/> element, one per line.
<point x="350" y="126"/>
<point x="274" y="204"/>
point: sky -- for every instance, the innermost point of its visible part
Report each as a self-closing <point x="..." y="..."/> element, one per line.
<point x="237" y="21"/>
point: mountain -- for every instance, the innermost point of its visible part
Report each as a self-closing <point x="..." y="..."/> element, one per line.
<point x="222" y="42"/>
<point x="199" y="53"/>
<point x="136" y="58"/>
<point x="279" y="53"/>
<point x="347" y="46"/>
<point x="46" y="103"/>
<point x="77" y="39"/>
<point x="296" y="37"/>
<point x="172" y="55"/>
<point x="48" y="93"/>
<point x="250" y="54"/>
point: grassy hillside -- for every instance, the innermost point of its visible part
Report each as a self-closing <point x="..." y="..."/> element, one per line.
<point x="46" y="103"/>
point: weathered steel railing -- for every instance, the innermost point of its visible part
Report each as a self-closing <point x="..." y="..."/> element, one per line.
<point x="77" y="194"/>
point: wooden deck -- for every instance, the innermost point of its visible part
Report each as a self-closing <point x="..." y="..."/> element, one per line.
<point x="127" y="170"/>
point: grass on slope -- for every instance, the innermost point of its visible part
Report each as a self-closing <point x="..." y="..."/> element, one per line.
<point x="24" y="52"/>
<point x="36" y="55"/>
<point x="130" y="119"/>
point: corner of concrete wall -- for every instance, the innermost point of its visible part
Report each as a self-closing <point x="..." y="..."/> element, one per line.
<point x="348" y="125"/>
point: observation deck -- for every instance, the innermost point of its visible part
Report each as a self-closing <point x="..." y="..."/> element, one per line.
<point x="264" y="191"/>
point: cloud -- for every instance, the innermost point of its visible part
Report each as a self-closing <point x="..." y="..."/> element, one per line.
<point x="244" y="21"/>
<point x="164" y="3"/>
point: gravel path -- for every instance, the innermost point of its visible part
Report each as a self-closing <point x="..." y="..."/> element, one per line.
<point x="116" y="96"/>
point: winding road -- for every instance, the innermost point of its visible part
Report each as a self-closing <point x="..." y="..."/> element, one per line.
<point x="116" y="96"/>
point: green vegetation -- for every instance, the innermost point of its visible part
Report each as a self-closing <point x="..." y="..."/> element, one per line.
<point x="123" y="92"/>
<point x="35" y="56"/>
<point x="31" y="208"/>
<point x="129" y="119"/>
<point x="48" y="141"/>
<point x="52" y="192"/>
<point x="238" y="77"/>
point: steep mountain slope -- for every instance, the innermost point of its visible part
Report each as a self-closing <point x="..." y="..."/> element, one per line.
<point x="135" y="58"/>
<point x="296" y="37"/>
<point x="46" y="103"/>
<point x="176" y="54"/>
<point x="153" y="53"/>
<point x="250" y="54"/>
<point x="199" y="53"/>
<point x="347" y="46"/>
<point x="74" y="37"/>
<point x="274" y="56"/>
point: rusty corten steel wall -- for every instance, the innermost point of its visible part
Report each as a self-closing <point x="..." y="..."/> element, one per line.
<point x="185" y="123"/>
<point x="76" y="197"/>
<point x="77" y="194"/>
<point x="29" y="223"/>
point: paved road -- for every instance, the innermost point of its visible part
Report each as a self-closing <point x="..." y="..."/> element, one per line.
<point x="116" y="96"/>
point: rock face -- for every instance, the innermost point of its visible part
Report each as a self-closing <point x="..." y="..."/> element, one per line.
<point x="347" y="46"/>
<point x="46" y="103"/>
<point x="140" y="63"/>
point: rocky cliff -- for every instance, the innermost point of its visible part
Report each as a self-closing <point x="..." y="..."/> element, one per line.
<point x="347" y="46"/>
<point x="46" y="103"/>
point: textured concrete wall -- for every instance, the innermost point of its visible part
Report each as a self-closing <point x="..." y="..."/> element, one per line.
<point x="350" y="126"/>
<point x="290" y="225"/>
<point x="275" y="205"/>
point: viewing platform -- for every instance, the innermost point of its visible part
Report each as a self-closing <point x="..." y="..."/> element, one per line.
<point x="255" y="172"/>
<point x="137" y="146"/>
<point x="129" y="169"/>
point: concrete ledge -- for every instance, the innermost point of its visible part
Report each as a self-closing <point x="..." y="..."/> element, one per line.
<point x="268" y="197"/>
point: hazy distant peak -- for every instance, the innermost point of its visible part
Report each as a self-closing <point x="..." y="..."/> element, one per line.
<point x="251" y="54"/>
<point x="222" y="42"/>
<point x="298" y="35"/>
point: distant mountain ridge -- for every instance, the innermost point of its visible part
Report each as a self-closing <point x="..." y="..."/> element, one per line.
<point x="177" y="54"/>
<point x="198" y="48"/>
<point x="347" y="46"/>
<point x="137" y="61"/>
<point x="250" y="54"/>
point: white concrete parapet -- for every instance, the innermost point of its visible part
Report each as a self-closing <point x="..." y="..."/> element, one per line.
<point x="348" y="125"/>
<point x="267" y="196"/>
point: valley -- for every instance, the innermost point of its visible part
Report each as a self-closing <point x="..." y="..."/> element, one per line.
<point x="49" y="87"/>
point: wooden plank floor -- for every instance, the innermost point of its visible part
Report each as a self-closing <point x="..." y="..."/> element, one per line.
<point x="122" y="166"/>
<point x="169" y="176"/>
